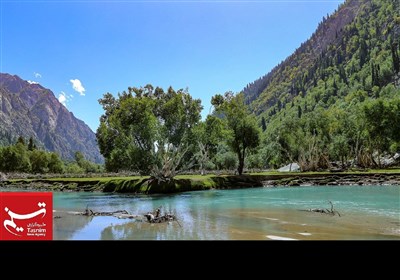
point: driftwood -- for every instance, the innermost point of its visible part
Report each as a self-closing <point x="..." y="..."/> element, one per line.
<point x="151" y="217"/>
<point x="158" y="217"/>
<point x="331" y="212"/>
<point x="119" y="213"/>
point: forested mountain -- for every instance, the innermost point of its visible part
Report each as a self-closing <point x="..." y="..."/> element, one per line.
<point x="32" y="111"/>
<point x="337" y="96"/>
<point x="334" y="103"/>
<point x="359" y="33"/>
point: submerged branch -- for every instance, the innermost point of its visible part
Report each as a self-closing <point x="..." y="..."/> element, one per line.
<point x="152" y="217"/>
<point x="331" y="212"/>
<point x="157" y="217"/>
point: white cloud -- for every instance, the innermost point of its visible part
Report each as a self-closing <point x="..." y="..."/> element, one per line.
<point x="77" y="86"/>
<point x="63" y="98"/>
<point x="32" y="82"/>
<point x="37" y="75"/>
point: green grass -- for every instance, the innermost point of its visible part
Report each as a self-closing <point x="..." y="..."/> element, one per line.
<point x="100" y="179"/>
<point x="139" y="184"/>
<point x="199" y="177"/>
<point x="195" y="177"/>
<point x="76" y="179"/>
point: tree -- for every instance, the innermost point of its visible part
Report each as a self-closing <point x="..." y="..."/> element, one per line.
<point x="144" y="126"/>
<point x="299" y="112"/>
<point x="395" y="58"/>
<point x="55" y="165"/>
<point x="242" y="125"/>
<point x="86" y="165"/>
<point x="225" y="159"/>
<point x="263" y="124"/>
<point x="39" y="161"/>
<point x="31" y="144"/>
<point x="73" y="168"/>
<point x="15" y="158"/>
<point x="21" y="140"/>
<point x="383" y="121"/>
<point x="208" y="135"/>
<point x="79" y="159"/>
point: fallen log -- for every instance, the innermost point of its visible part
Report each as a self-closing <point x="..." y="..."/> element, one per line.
<point x="157" y="217"/>
<point x="151" y="217"/>
<point x="90" y="212"/>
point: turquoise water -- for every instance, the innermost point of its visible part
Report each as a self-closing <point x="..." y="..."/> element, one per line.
<point x="367" y="212"/>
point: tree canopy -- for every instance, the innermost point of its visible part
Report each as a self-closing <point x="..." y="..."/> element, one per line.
<point x="242" y="125"/>
<point x="144" y="126"/>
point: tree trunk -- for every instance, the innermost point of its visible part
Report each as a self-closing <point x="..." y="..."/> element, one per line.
<point x="379" y="160"/>
<point x="241" y="163"/>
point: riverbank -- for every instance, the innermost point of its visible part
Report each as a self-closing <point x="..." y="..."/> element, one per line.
<point x="182" y="183"/>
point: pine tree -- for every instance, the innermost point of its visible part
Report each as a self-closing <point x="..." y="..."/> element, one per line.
<point x="21" y="140"/>
<point x="31" y="145"/>
<point x="263" y="124"/>
<point x="395" y="58"/>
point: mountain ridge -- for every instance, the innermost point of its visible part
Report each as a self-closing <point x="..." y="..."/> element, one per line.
<point x="30" y="110"/>
<point x="297" y="73"/>
<point x="336" y="100"/>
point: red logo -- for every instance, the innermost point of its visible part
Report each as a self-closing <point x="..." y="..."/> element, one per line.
<point x="26" y="216"/>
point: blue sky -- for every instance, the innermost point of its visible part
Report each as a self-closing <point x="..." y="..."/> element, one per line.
<point x="83" y="49"/>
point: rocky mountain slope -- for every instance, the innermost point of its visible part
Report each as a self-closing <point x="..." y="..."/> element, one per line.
<point x="30" y="110"/>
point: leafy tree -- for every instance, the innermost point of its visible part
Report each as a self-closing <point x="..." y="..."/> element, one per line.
<point x="225" y="159"/>
<point x="242" y="125"/>
<point x="84" y="164"/>
<point x="339" y="148"/>
<point x="55" y="164"/>
<point x="141" y="125"/>
<point x="383" y="122"/>
<point x="208" y="135"/>
<point x="15" y="158"/>
<point x="73" y="168"/>
<point x="39" y="161"/>
<point x="80" y="159"/>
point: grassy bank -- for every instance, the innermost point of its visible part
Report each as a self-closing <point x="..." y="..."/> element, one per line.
<point x="182" y="183"/>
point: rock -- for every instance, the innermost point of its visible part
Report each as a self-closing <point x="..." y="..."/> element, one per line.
<point x="390" y="160"/>
<point x="3" y="177"/>
<point x="292" y="167"/>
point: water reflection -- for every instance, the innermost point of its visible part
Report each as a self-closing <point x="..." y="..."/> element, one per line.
<point x="66" y="225"/>
<point x="193" y="224"/>
<point x="368" y="212"/>
<point x="251" y="214"/>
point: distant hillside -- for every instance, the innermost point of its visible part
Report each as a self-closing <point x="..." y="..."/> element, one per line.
<point x="337" y="97"/>
<point x="30" y="110"/>
<point x="339" y="53"/>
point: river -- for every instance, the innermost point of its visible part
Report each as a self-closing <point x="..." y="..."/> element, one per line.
<point x="367" y="213"/>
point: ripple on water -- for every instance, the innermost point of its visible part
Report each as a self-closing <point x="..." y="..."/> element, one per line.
<point x="275" y="237"/>
<point x="305" y="233"/>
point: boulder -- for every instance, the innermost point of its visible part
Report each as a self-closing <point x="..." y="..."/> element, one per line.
<point x="391" y="160"/>
<point x="3" y="177"/>
<point x="292" y="167"/>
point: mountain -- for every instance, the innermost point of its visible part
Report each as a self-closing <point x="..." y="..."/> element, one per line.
<point x="28" y="109"/>
<point x="336" y="100"/>
<point x="341" y="52"/>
